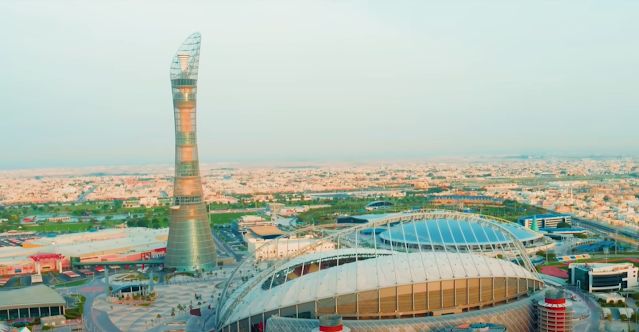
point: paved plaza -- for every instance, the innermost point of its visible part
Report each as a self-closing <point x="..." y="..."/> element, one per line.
<point x="180" y="291"/>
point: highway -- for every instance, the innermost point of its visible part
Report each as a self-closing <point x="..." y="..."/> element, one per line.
<point x="608" y="229"/>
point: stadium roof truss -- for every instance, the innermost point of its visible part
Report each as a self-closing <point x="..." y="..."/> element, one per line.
<point x="351" y="238"/>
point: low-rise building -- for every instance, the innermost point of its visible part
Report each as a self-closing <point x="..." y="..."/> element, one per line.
<point x="545" y="220"/>
<point x="245" y="223"/>
<point x="268" y="242"/>
<point x="31" y="302"/>
<point x="605" y="277"/>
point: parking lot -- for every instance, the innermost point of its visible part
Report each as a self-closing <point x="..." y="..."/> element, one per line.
<point x="50" y="278"/>
<point x="13" y="241"/>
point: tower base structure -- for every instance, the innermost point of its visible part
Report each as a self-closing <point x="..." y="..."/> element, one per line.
<point x="554" y="312"/>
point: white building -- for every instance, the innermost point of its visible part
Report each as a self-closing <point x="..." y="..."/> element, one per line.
<point x="261" y="240"/>
<point x="604" y="277"/>
<point x="245" y="223"/>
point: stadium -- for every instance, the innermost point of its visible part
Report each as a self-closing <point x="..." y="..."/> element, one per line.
<point x="459" y="234"/>
<point x="390" y="286"/>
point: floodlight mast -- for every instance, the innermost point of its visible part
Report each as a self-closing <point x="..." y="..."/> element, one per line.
<point x="190" y="245"/>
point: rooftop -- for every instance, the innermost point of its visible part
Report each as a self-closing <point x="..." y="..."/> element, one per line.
<point x="454" y="232"/>
<point x="111" y="241"/>
<point x="373" y="274"/>
<point x="40" y="295"/>
<point x="263" y="231"/>
<point x="601" y="267"/>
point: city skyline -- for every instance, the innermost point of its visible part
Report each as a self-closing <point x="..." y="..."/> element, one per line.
<point x="324" y="166"/>
<point x="330" y="89"/>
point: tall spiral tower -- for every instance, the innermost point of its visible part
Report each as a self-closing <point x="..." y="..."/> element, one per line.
<point x="190" y="246"/>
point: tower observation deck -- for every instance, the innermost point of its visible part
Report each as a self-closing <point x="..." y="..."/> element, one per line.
<point x="190" y="245"/>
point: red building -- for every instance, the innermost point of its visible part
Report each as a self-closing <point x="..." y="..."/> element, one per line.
<point x="47" y="263"/>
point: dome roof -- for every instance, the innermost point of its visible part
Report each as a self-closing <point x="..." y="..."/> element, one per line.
<point x="453" y="231"/>
<point x="372" y="274"/>
<point x="319" y="279"/>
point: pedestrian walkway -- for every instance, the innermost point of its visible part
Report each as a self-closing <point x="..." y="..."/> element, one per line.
<point x="143" y="318"/>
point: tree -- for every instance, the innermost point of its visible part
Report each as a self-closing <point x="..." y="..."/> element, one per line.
<point x="623" y="317"/>
<point x="143" y="223"/>
<point x="159" y="316"/>
<point x="563" y="225"/>
<point x="609" y="316"/>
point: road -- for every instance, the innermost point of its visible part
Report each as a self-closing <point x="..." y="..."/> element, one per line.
<point x="84" y="195"/>
<point x="237" y="210"/>
<point x="95" y="320"/>
<point x="223" y="245"/>
<point x="592" y="323"/>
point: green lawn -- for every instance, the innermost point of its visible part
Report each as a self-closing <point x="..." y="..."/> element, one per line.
<point x="76" y="313"/>
<point x="81" y="298"/>
<point x="55" y="227"/>
<point x="226" y="218"/>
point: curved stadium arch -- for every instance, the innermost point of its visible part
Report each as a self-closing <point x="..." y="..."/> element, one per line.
<point x="391" y="281"/>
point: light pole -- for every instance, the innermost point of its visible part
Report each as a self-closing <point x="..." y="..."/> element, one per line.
<point x="616" y="234"/>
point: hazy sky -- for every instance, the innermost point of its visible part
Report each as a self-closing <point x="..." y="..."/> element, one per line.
<point x="87" y="83"/>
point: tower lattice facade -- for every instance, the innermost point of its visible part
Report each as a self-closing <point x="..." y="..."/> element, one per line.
<point x="190" y="245"/>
